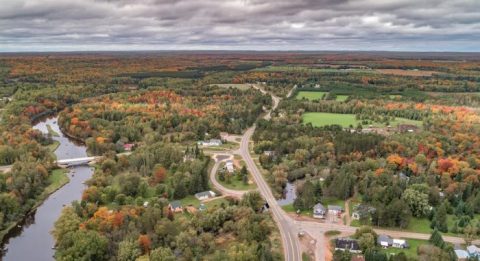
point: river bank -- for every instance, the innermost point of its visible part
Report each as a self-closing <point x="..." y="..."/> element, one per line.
<point x="58" y="178"/>
<point x="66" y="185"/>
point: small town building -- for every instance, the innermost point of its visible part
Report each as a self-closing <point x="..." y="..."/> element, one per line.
<point x="399" y="243"/>
<point x="319" y="211"/>
<point x="205" y="195"/>
<point x="461" y="254"/>
<point x="344" y="244"/>
<point x="229" y="166"/>
<point x="269" y="153"/>
<point x="334" y="210"/>
<point x="175" y="206"/>
<point x="384" y="241"/>
<point x="210" y="143"/>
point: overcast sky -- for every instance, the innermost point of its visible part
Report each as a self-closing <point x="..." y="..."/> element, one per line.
<point x="397" y="25"/>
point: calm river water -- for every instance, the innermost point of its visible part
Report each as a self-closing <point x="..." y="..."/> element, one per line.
<point x="32" y="240"/>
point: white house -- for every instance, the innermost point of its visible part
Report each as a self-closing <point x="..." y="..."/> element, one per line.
<point x="319" y="211"/>
<point x="229" y="166"/>
<point x="205" y="195"/>
<point x="210" y="143"/>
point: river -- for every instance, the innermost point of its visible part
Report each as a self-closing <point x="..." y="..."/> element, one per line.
<point x="32" y="240"/>
<point x="289" y="194"/>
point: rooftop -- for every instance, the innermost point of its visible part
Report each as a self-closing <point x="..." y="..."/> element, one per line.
<point x="176" y="204"/>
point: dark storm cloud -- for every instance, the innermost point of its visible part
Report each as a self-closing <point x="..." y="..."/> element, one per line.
<point x="434" y="25"/>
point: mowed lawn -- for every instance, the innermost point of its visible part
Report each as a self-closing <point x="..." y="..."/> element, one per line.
<point x="319" y="119"/>
<point x="311" y="96"/>
<point x="341" y="97"/>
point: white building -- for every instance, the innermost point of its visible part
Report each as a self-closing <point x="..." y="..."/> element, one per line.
<point x="205" y="195"/>
<point x="210" y="143"/>
<point x="399" y="243"/>
<point x="229" y="166"/>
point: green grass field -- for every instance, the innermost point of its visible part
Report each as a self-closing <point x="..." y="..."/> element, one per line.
<point x="57" y="179"/>
<point x="310" y="95"/>
<point x="319" y="119"/>
<point x="216" y="203"/>
<point x="54" y="146"/>
<point x="236" y="184"/>
<point x="420" y="225"/>
<point x="290" y="209"/>
<point x="341" y="97"/>
<point x="193" y="201"/>
<point x="241" y="86"/>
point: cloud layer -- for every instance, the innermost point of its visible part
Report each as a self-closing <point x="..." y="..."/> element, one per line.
<point x="421" y="25"/>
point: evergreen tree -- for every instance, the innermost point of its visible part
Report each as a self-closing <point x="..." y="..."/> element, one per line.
<point x="441" y="219"/>
<point x="436" y="239"/>
<point x="245" y="179"/>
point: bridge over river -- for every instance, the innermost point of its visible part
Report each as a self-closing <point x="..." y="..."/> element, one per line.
<point x="69" y="162"/>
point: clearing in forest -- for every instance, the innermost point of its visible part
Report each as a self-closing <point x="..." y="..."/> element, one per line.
<point x="319" y="119"/>
<point x="317" y="95"/>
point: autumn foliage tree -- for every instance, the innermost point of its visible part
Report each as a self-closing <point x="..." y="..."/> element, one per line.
<point x="145" y="243"/>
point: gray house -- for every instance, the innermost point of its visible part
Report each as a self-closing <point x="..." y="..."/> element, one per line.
<point x="384" y="241"/>
<point x="319" y="211"/>
<point x="347" y="244"/>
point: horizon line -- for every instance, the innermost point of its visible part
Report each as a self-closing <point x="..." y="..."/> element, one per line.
<point x="233" y="50"/>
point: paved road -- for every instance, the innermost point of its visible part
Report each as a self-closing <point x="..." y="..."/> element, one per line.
<point x="323" y="227"/>
<point x="285" y="224"/>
